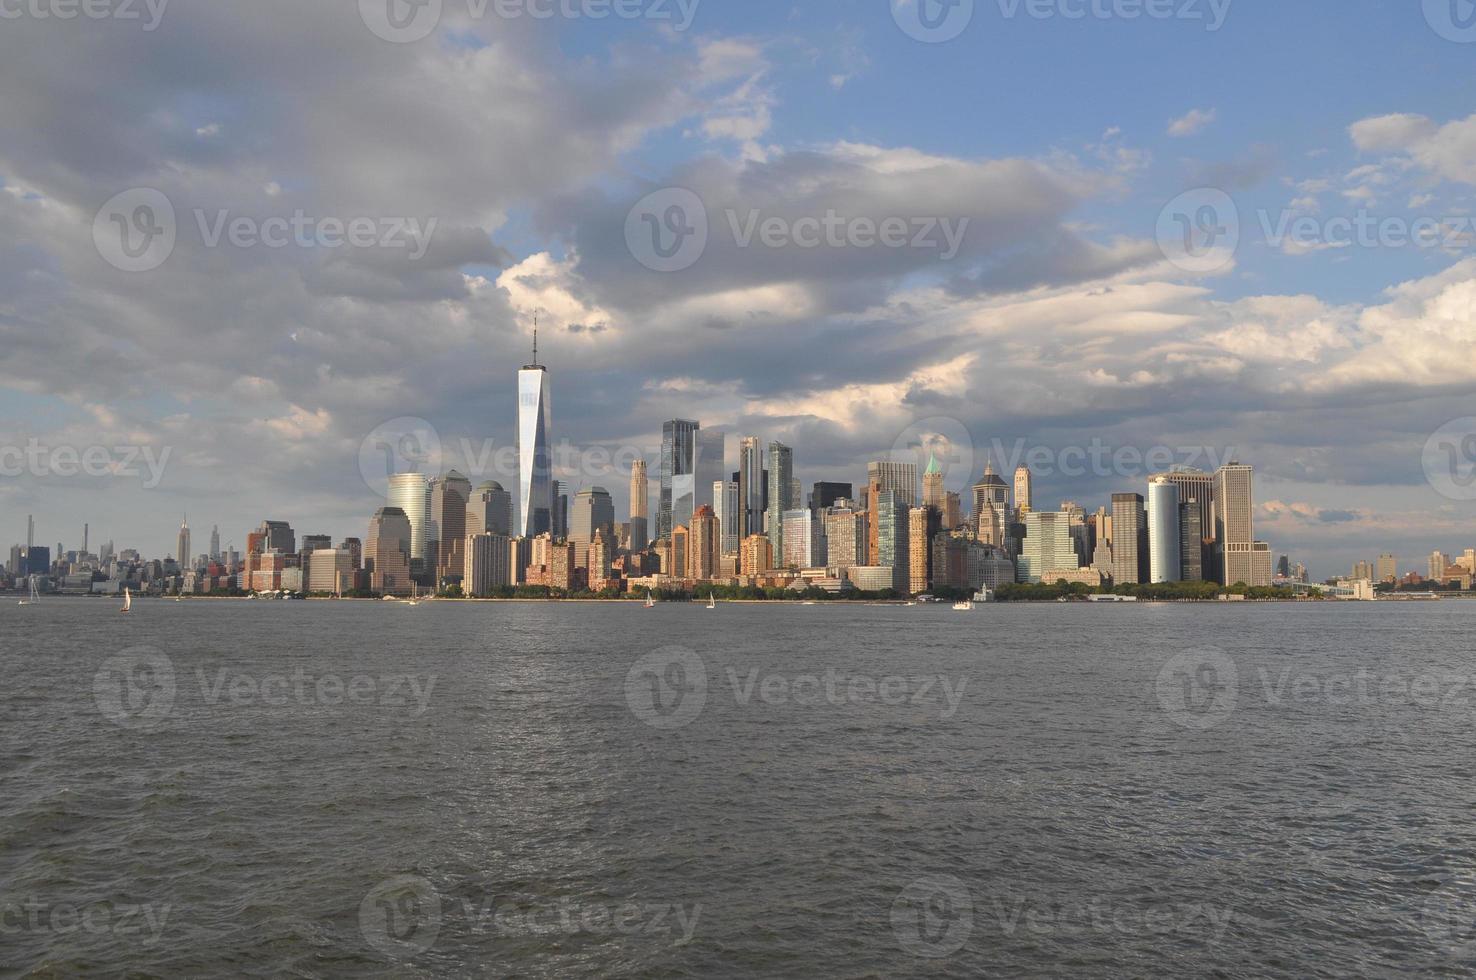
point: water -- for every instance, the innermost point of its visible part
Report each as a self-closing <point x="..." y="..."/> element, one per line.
<point x="587" y="789"/>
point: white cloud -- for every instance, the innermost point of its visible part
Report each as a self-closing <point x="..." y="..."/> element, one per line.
<point x="1192" y="122"/>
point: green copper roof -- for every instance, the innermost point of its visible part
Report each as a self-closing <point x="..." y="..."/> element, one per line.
<point x="933" y="466"/>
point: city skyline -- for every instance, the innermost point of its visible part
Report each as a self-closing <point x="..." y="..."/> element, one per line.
<point x="1060" y="319"/>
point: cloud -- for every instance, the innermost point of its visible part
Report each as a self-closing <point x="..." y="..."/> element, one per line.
<point x="1447" y="151"/>
<point x="1191" y="122"/>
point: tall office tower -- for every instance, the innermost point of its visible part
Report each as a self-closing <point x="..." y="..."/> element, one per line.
<point x="845" y="535"/>
<point x="593" y="511"/>
<point x="1047" y="547"/>
<point x="1129" y="539"/>
<point x="1283" y="567"/>
<point x="990" y="490"/>
<point x="1362" y="569"/>
<point x="680" y="551"/>
<point x="387" y="551"/>
<point x="489" y="510"/>
<point x="559" y="524"/>
<point x="215" y="542"/>
<point x="182" y="545"/>
<point x="710" y="465"/>
<point x="355" y="549"/>
<point x="1234" y="530"/>
<point x="703" y="544"/>
<point x="922" y="524"/>
<point x="823" y="495"/>
<point x="640" y="514"/>
<point x="952" y="510"/>
<point x="601" y="561"/>
<point x="781" y="484"/>
<point x="30" y="532"/>
<point x="901" y="478"/>
<point x="487" y="564"/>
<point x="1164" y="563"/>
<point x="85" y="530"/>
<point x="753" y="488"/>
<point x="804" y="539"/>
<point x="450" y="496"/>
<point x="678" y="475"/>
<point x="934" y="493"/>
<point x="1023" y="490"/>
<point x="893" y="548"/>
<point x="410" y="492"/>
<point x="1198" y="486"/>
<point x="535" y="463"/>
<point x="1388" y="568"/>
<point x="725" y="505"/>
<point x="1439" y="562"/>
<point x="1191" y="542"/>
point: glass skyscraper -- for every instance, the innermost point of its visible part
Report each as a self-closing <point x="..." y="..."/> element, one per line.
<point x="535" y="468"/>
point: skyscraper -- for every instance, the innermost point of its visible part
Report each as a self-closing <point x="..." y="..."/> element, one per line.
<point x="1048" y="546"/>
<point x="991" y="500"/>
<point x="1164" y="563"/>
<point x="1191" y="542"/>
<point x="1129" y="539"/>
<point x="781" y="490"/>
<point x="1234" y="527"/>
<point x="725" y="505"/>
<point x="410" y="492"/>
<point x="703" y="544"/>
<point x="934" y="493"/>
<point x="922" y="523"/>
<point x="592" y="512"/>
<point x="535" y="466"/>
<point x="893" y="550"/>
<point x="215" y="542"/>
<point x="678" y="475"/>
<point x="182" y="545"/>
<point x="1023" y="490"/>
<point x="895" y="476"/>
<point x="1198" y="487"/>
<point x="640" y="514"/>
<point x="752" y="488"/>
<point x="1388" y="569"/>
<point x="824" y="494"/>
<point x="449" y="498"/>
<point x="489" y="511"/>
<point x="387" y="551"/>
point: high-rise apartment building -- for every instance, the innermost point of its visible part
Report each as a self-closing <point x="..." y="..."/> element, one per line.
<point x="846" y="536"/>
<point x="1388" y="570"/>
<point x="756" y="556"/>
<point x="725" y="505"/>
<point x="486" y="564"/>
<point x="1234" y="527"/>
<point x="804" y="539"/>
<point x="704" y="544"/>
<point x="1164" y="553"/>
<point x="922" y="523"/>
<point x="893" y="548"/>
<point x="753" y="488"/>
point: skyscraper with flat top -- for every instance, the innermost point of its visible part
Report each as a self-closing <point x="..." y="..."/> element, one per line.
<point x="753" y="488"/>
<point x="1234" y="527"/>
<point x="535" y="465"/>
<point x="899" y="477"/>
<point x="1129" y="539"/>
<point x="781" y="494"/>
<point x="1164" y="564"/>
<point x="1023" y="490"/>
<point x="678" y="475"/>
<point x="640" y="514"/>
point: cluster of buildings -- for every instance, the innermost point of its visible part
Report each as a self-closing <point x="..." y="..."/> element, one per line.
<point x="108" y="570"/>
<point x="899" y="531"/>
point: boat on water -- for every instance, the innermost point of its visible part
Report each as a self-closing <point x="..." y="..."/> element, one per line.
<point x="650" y="600"/>
<point x="966" y="606"/>
<point x="1112" y="598"/>
<point x="34" y="596"/>
<point x="127" y="600"/>
<point x="711" y="601"/>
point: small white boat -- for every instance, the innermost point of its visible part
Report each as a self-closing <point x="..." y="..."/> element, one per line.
<point x="965" y="606"/>
<point x="127" y="600"/>
<point x="711" y="601"/>
<point x="35" y="594"/>
<point x="650" y="600"/>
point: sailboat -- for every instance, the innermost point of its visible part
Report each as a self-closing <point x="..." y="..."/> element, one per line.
<point x="650" y="600"/>
<point x="711" y="600"/>
<point x="35" y="594"/>
<point x="127" y="600"/>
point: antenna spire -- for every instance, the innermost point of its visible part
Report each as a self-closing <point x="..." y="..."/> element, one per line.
<point x="535" y="339"/>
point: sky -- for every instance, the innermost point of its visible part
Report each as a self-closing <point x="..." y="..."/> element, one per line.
<point x="1120" y="234"/>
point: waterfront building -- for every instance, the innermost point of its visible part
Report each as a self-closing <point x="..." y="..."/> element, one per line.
<point x="756" y="556"/>
<point x="753" y="488"/>
<point x="725" y="504"/>
<point x="487" y="564"/>
<point x="386" y="552"/>
<point x="410" y="493"/>
<point x="804" y="539"/>
<point x="448" y="505"/>
<point x="1129" y="539"/>
<point x="640" y="485"/>
<point x="1164" y="552"/>
<point x="1047" y="545"/>
<point x="893" y="548"/>
<point x="704" y="544"/>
